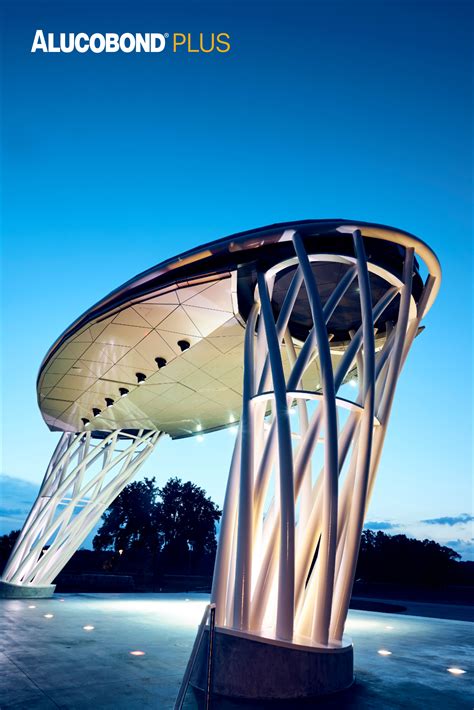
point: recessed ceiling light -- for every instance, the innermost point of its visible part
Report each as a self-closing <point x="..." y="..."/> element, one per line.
<point x="161" y="362"/>
<point x="140" y="377"/>
<point x="123" y="391"/>
<point x="456" y="671"/>
<point x="184" y="345"/>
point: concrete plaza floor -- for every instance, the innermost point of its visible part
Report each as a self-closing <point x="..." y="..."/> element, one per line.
<point x="49" y="658"/>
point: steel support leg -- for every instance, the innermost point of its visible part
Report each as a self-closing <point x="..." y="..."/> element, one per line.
<point x="83" y="478"/>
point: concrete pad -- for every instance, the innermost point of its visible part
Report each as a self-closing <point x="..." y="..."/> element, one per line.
<point x="25" y="591"/>
<point x="251" y="668"/>
<point x="54" y="662"/>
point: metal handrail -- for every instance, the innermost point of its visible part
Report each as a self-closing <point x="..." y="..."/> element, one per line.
<point x="209" y="613"/>
<point x="210" y="656"/>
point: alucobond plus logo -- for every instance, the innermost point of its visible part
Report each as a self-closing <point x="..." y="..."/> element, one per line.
<point x="128" y="42"/>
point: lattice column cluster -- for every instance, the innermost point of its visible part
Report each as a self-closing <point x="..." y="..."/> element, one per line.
<point x="289" y="539"/>
<point x="83" y="478"/>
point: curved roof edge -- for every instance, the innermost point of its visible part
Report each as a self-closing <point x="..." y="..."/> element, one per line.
<point x="161" y="274"/>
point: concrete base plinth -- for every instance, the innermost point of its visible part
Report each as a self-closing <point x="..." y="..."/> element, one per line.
<point x="25" y="591"/>
<point x="255" y="668"/>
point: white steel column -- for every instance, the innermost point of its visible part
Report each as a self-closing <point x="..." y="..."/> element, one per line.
<point x="286" y="571"/>
<point x="83" y="478"/>
<point x="327" y="545"/>
<point x="243" y="568"/>
<point x="285" y="575"/>
<point x="361" y="469"/>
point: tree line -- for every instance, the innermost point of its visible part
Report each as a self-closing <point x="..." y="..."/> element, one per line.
<point x="173" y="530"/>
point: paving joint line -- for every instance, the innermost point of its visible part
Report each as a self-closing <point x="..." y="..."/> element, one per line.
<point x="33" y="681"/>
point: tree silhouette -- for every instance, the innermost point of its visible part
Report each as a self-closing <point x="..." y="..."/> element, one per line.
<point x="187" y="521"/>
<point x="6" y="546"/>
<point x="177" y="521"/>
<point x="130" y="522"/>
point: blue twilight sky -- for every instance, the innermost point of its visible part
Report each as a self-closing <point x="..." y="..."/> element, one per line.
<point x="114" y="162"/>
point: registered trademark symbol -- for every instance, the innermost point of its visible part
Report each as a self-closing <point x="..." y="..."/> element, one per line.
<point x="166" y="35"/>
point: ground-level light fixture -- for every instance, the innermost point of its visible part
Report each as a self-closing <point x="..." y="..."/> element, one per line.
<point x="123" y="391"/>
<point x="109" y="401"/>
<point x="96" y="411"/>
<point x="85" y="421"/>
<point x="141" y="377"/>
<point x="161" y="362"/>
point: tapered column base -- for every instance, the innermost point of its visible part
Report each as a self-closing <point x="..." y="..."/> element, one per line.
<point x="253" y="668"/>
<point x="25" y="591"/>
